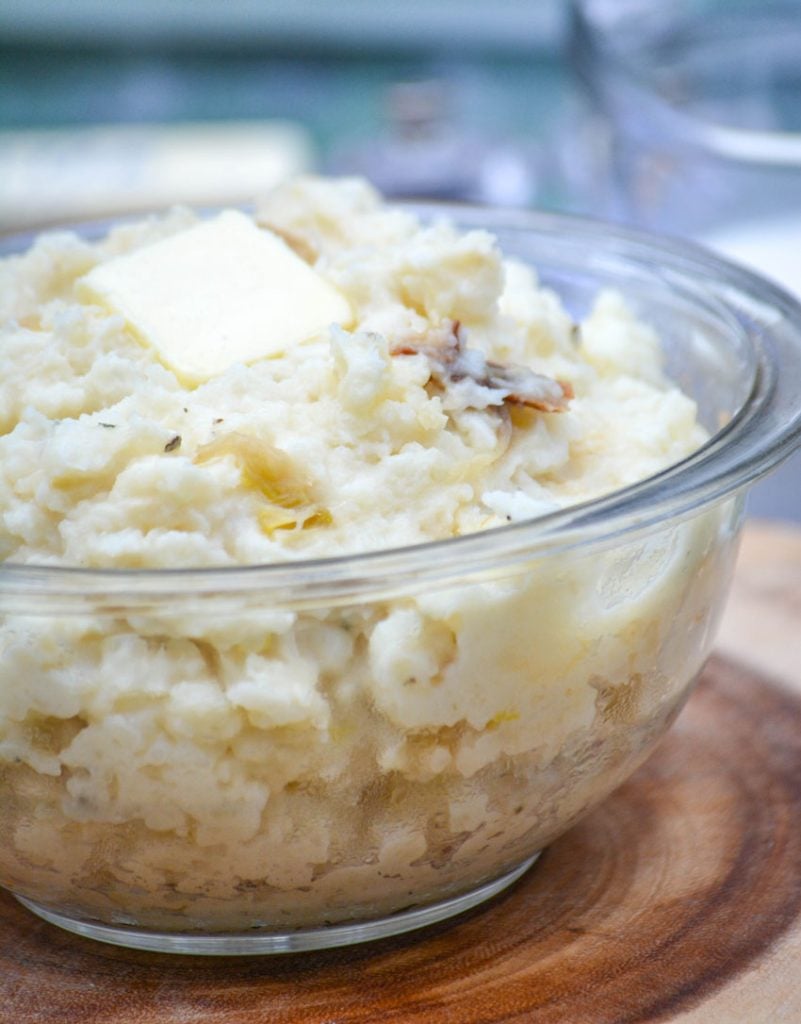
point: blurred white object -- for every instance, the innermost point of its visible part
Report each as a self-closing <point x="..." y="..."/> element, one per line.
<point x="772" y="248"/>
<point x="74" y="174"/>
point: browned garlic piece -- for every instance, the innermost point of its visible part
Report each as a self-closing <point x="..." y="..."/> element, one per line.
<point x="452" y="361"/>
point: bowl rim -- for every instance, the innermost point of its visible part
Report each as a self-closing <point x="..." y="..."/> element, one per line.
<point x="764" y="432"/>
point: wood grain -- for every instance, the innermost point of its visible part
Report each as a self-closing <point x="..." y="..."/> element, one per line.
<point x="675" y="888"/>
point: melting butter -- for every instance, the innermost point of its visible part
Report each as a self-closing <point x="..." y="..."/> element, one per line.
<point x="221" y="292"/>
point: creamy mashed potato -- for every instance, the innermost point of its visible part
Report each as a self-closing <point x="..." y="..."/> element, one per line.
<point x="179" y="767"/>
<point x="107" y="460"/>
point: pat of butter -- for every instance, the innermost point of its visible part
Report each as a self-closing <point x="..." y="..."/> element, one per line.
<point x="219" y="293"/>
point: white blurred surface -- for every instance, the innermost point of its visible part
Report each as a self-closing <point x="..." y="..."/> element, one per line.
<point x="771" y="248"/>
<point x="53" y="176"/>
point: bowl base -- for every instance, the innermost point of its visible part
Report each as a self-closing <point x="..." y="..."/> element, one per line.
<point x="257" y="942"/>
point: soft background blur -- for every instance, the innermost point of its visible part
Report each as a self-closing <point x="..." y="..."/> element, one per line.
<point x="108" y="107"/>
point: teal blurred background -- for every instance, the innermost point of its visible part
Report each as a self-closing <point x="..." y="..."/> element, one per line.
<point x="496" y="88"/>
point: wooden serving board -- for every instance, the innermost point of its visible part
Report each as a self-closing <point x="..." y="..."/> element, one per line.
<point x="679" y="899"/>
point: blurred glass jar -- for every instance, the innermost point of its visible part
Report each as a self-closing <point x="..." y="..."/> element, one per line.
<point x="690" y="125"/>
<point x="697" y="121"/>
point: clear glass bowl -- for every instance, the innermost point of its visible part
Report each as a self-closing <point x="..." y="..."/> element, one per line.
<point x="471" y="698"/>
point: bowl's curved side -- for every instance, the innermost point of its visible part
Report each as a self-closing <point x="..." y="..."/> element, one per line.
<point x="402" y="754"/>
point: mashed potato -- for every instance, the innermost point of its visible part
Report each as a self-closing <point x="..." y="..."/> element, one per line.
<point x="106" y="460"/>
<point x="180" y="767"/>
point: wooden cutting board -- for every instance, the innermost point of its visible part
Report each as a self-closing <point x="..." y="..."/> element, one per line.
<point x="678" y="900"/>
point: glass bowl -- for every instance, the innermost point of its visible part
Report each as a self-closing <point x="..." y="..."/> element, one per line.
<point x="461" y="703"/>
